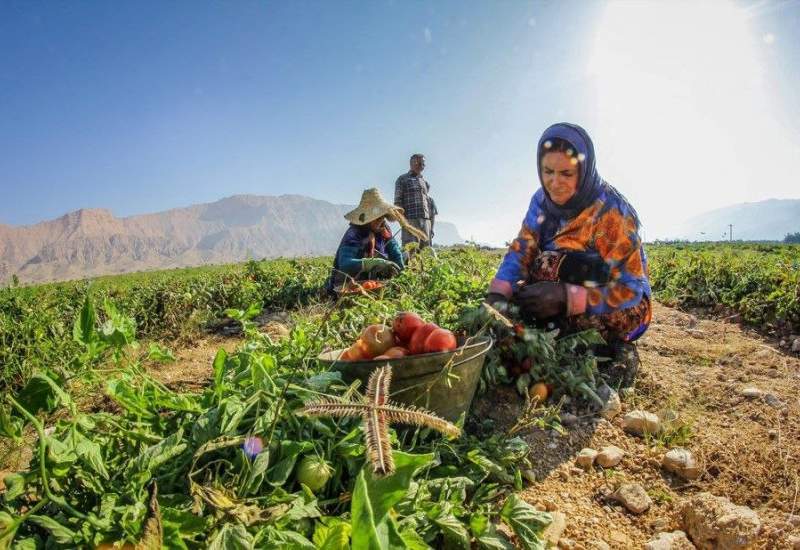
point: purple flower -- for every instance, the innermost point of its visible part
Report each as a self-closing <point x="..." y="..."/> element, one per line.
<point x="252" y="446"/>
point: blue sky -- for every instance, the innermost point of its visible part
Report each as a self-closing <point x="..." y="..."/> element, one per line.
<point x="144" y="106"/>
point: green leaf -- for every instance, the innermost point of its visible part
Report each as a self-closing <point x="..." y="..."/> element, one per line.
<point x="160" y="354"/>
<point x="258" y="470"/>
<point x="83" y="330"/>
<point x="10" y="426"/>
<point x="42" y="393"/>
<point x="8" y="528"/>
<point x="332" y="534"/>
<point x="526" y="521"/>
<point x="219" y="371"/>
<point x="279" y="474"/>
<point x="90" y="452"/>
<point x="61" y="534"/>
<point x="232" y="536"/>
<point x="15" y="486"/>
<point x="374" y="497"/>
<point x="453" y="530"/>
<point x="29" y="543"/>
<point x="491" y="468"/>
<point x="487" y="535"/>
<point x="154" y="456"/>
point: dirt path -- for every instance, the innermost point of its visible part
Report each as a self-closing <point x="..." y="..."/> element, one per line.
<point x="748" y="448"/>
<point x="693" y="371"/>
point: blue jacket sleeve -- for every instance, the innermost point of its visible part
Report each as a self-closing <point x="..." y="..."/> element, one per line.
<point x="349" y="259"/>
<point x="394" y="252"/>
<point x="523" y="249"/>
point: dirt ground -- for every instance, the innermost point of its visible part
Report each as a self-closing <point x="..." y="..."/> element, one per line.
<point x="693" y="371"/>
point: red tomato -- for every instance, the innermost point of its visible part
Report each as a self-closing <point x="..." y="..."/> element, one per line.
<point x="377" y="339"/>
<point x="396" y="352"/>
<point x="356" y="352"/>
<point x="417" y="343"/>
<point x="404" y="325"/>
<point x="440" y="339"/>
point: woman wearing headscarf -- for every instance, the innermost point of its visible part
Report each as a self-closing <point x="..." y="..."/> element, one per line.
<point x="368" y="251"/>
<point x="578" y="261"/>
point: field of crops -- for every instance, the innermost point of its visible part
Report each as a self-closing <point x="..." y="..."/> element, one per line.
<point x="121" y="458"/>
<point x="760" y="282"/>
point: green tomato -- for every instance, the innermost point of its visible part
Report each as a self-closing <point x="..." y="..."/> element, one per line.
<point x="314" y="472"/>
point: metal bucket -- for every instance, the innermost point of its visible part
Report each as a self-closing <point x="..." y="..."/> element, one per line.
<point x="443" y="382"/>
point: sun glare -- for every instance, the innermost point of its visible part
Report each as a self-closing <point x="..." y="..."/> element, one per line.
<point x="684" y="120"/>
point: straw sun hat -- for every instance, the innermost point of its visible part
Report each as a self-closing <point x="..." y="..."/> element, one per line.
<point x="372" y="207"/>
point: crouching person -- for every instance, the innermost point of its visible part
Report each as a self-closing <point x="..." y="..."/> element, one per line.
<point x="368" y="251"/>
<point x="578" y="261"/>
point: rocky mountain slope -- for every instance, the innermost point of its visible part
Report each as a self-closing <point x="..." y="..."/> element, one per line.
<point x="92" y="242"/>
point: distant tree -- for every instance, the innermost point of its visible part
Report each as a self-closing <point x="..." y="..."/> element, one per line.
<point x="793" y="238"/>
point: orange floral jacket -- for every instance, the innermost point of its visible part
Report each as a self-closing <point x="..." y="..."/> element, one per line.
<point x="607" y="227"/>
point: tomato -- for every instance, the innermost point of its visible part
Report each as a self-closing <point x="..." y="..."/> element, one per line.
<point x="357" y="352"/>
<point x="314" y="472"/>
<point x="417" y="343"/>
<point x="440" y="339"/>
<point x="538" y="392"/>
<point x="405" y="324"/>
<point x="377" y="339"/>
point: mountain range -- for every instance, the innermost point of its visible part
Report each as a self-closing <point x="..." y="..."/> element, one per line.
<point x="768" y="220"/>
<point x="92" y="242"/>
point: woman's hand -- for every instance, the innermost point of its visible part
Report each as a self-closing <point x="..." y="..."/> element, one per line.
<point x="542" y="300"/>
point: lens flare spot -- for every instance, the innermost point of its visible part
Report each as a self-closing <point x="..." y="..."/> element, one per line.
<point x="548" y="144"/>
<point x="253" y="446"/>
<point x="581" y="157"/>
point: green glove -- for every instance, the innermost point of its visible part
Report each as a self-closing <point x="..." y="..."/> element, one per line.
<point x="379" y="265"/>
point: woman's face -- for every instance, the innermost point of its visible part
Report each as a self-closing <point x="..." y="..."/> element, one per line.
<point x="559" y="176"/>
<point x="376" y="225"/>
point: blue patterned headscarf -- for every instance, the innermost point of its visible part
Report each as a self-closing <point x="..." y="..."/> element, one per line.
<point x="590" y="184"/>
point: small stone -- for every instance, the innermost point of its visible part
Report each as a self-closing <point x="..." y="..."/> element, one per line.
<point x="675" y="540"/>
<point x="752" y="393"/>
<point x="782" y="343"/>
<point x="773" y="401"/>
<point x="566" y="544"/>
<point x="550" y="505"/>
<point x="568" y="419"/>
<point x="552" y="533"/>
<point x="599" y="545"/>
<point x="691" y="321"/>
<point x="633" y="497"/>
<point x="609" y="456"/>
<point x="575" y="471"/>
<point x="773" y="434"/>
<point x="563" y="475"/>
<point x="585" y="458"/>
<point x="793" y="519"/>
<point x="627" y="393"/>
<point x="681" y="462"/>
<point x="612" y="407"/>
<point x="641" y="422"/>
<point x="796" y="345"/>
<point x="794" y="542"/>
<point x="552" y="445"/>
<point x="715" y="522"/>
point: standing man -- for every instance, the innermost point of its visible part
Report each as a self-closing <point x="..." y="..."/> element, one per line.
<point x="411" y="194"/>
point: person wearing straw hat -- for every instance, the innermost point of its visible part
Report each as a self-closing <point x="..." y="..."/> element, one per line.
<point x="368" y="250"/>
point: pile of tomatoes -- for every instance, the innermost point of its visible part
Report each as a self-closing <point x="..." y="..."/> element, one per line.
<point x="408" y="335"/>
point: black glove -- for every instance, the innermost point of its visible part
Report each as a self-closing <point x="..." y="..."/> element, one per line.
<point x="579" y="267"/>
<point x="542" y="300"/>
